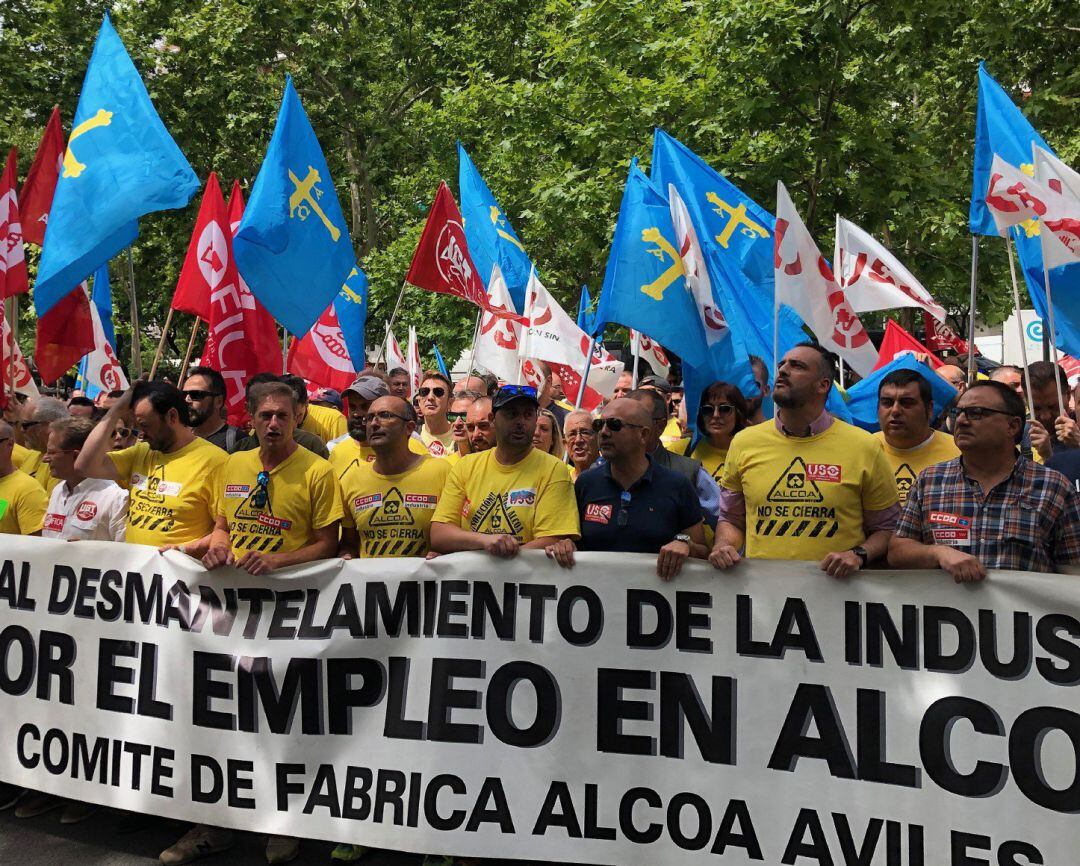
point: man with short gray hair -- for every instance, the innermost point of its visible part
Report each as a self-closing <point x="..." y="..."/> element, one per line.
<point x="37" y="415"/>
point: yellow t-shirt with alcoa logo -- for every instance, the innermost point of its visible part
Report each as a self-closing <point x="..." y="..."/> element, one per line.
<point x="348" y="453"/>
<point x="805" y="497"/>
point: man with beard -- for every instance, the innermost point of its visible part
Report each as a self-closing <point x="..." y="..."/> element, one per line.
<point x="805" y="486"/>
<point x="352" y="449"/>
<point x="204" y="389"/>
<point x="480" y="425"/>
<point x="171" y="476"/>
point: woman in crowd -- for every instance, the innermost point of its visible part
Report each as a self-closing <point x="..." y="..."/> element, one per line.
<point x="721" y="415"/>
<point x="548" y="435"/>
<point x="582" y="448"/>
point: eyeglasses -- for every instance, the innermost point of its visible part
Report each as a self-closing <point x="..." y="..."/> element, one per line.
<point x="709" y="409"/>
<point x="624" y="509"/>
<point x="454" y="417"/>
<point x="518" y="391"/>
<point x="383" y="415"/>
<point x="613" y="424"/>
<point x="52" y="452"/>
<point x="262" y="491"/>
<point x="437" y="391"/>
<point x="199" y="395"/>
<point x="122" y="432"/>
<point x="580" y="433"/>
<point x="977" y="413"/>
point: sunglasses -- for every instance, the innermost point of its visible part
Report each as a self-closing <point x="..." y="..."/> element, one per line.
<point x="262" y="490"/>
<point x="383" y="415"/>
<point x="121" y="432"/>
<point x="518" y="391"/>
<point x="709" y="409"/>
<point x="454" y="417"/>
<point x="613" y="424"/>
<point x="199" y="395"/>
<point x="624" y="509"/>
<point x="437" y="391"/>
<point x="977" y="413"/>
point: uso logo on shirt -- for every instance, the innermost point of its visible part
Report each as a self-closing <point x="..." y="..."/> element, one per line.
<point x="87" y="510"/>
<point x="823" y="472"/>
<point x="597" y="513"/>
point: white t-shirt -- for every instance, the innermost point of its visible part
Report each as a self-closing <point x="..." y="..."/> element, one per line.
<point x="96" y="510"/>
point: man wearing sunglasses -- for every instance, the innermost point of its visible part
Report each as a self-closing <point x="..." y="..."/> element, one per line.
<point x="991" y="507"/>
<point x="37" y="415"/>
<point x="510" y="497"/>
<point x="434" y="397"/>
<point x="631" y="504"/>
<point x="459" y="410"/>
<point x="805" y="486"/>
<point x="22" y="499"/>
<point x="204" y="389"/>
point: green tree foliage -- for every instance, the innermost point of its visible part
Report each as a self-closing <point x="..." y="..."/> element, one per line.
<point x="859" y="106"/>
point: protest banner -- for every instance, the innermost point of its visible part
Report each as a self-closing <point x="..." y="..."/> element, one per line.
<point x="509" y="709"/>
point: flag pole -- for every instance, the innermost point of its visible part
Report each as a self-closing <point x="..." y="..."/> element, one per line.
<point x="1019" y="323"/>
<point x="1053" y="334"/>
<point x="585" y="374"/>
<point x="971" y="325"/>
<point x="136" y="349"/>
<point x="187" y="354"/>
<point x="390" y="324"/>
<point x="14" y="341"/>
<point x="636" y="347"/>
<point x="475" y="336"/>
<point x="161" y="343"/>
<point x="284" y="350"/>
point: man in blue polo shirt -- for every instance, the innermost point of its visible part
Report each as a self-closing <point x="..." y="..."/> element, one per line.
<point x="632" y="504"/>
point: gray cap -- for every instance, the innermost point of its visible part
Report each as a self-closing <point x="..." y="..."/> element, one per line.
<point x="367" y="388"/>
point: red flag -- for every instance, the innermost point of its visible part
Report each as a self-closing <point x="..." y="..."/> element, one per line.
<point x="940" y="337"/>
<point x="210" y="287"/>
<point x="12" y="255"/>
<point x="64" y="335"/>
<point x="322" y="356"/>
<point x="442" y="262"/>
<point x="897" y="341"/>
<point x="40" y="184"/>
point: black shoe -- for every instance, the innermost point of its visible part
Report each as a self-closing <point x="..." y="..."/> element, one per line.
<point x="9" y="795"/>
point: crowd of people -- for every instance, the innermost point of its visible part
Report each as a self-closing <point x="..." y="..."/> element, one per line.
<point x="487" y="466"/>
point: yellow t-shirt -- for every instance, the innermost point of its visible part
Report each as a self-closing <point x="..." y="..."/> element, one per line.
<point x="907" y="463"/>
<point x="440" y="445"/>
<point x="172" y="495"/>
<point x="806" y="497"/>
<point x="34" y="465"/>
<point x="672" y="432"/>
<point x="349" y="453"/>
<point x="393" y="513"/>
<point x="532" y="498"/>
<point x="325" y="422"/>
<point x="302" y="496"/>
<point x="711" y="458"/>
<point x="19" y="454"/>
<point x="23" y="503"/>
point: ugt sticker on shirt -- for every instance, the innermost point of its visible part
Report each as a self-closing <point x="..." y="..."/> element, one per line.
<point x="950" y="529"/>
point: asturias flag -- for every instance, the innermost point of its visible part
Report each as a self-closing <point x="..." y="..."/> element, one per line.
<point x="121" y="163"/>
<point x="293" y="247"/>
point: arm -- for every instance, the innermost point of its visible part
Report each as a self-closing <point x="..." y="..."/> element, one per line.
<point x="730" y="530"/>
<point x="844" y="563"/>
<point x="708" y="493"/>
<point x="911" y="553"/>
<point x="217" y="552"/>
<point x="323" y="547"/>
<point x="349" y="546"/>
<point x="673" y="554"/>
<point x="93" y="460"/>
<point x="448" y="538"/>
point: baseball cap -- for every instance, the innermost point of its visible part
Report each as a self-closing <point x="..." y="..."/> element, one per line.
<point x="368" y="388"/>
<point x="327" y="395"/>
<point x="657" y="382"/>
<point x="509" y="393"/>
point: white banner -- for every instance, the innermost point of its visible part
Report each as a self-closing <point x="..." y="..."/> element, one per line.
<point x="488" y="708"/>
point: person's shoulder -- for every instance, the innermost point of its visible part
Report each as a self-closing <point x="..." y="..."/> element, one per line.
<point x="208" y="451"/>
<point x="756" y="433"/>
<point x="1053" y="473"/>
<point x="1065" y="460"/>
<point x="849" y="432"/>
<point x="340" y="440"/>
<point x="307" y="438"/>
<point x="665" y="477"/>
<point x="19" y="482"/>
<point x="551" y="465"/>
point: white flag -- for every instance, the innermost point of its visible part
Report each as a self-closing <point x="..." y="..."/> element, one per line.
<point x="395" y="358"/>
<point x="873" y="278"/>
<point x="413" y="365"/>
<point x="11" y="356"/>
<point x="1012" y="197"/>
<point x="805" y="283"/>
<point x="647" y="348"/>
<point x="551" y="334"/>
<point x="694" y="270"/>
<point x="499" y="339"/>
<point x="1060" y="230"/>
<point x="102" y="369"/>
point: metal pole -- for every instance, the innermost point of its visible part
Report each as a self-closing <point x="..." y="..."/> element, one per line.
<point x="1050" y="341"/>
<point x="971" y="328"/>
<point x="187" y="354"/>
<point x="390" y="324"/>
<point x="14" y="317"/>
<point x="1019" y="325"/>
<point x="585" y="374"/>
<point x="161" y="343"/>
<point x="136" y="349"/>
<point x="475" y="337"/>
<point x="284" y="350"/>
<point x="635" y="345"/>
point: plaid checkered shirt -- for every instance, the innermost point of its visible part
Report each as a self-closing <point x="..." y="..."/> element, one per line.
<point x="1028" y="522"/>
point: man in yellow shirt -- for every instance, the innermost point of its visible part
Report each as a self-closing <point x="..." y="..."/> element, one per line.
<point x="278" y="505"/>
<point x="389" y="503"/>
<point x="511" y="496"/>
<point x="905" y="408"/>
<point x="353" y="449"/>
<point x="434" y="394"/>
<point x="37" y="415"/>
<point x="805" y="486"/>
<point x="323" y="421"/>
<point x="170" y="476"/>
<point x="22" y="500"/>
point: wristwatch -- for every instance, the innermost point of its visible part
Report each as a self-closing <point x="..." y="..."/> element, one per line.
<point x="683" y="537"/>
<point x="860" y="552"/>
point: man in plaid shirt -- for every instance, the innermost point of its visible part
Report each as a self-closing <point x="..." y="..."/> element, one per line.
<point x="991" y="507"/>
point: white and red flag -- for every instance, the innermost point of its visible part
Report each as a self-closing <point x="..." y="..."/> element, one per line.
<point x="873" y="278"/>
<point x="649" y="350"/>
<point x="12" y="255"/>
<point x="13" y="365"/>
<point x="395" y="358"/>
<point x="103" y="370"/>
<point x="209" y="287"/>
<point x="64" y="335"/>
<point x="694" y="271"/>
<point x="1064" y="225"/>
<point x="36" y="196"/>
<point x="940" y="337"/>
<point x="415" y="368"/>
<point x="805" y="282"/>
<point x="498" y="338"/>
<point x="322" y="356"/>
